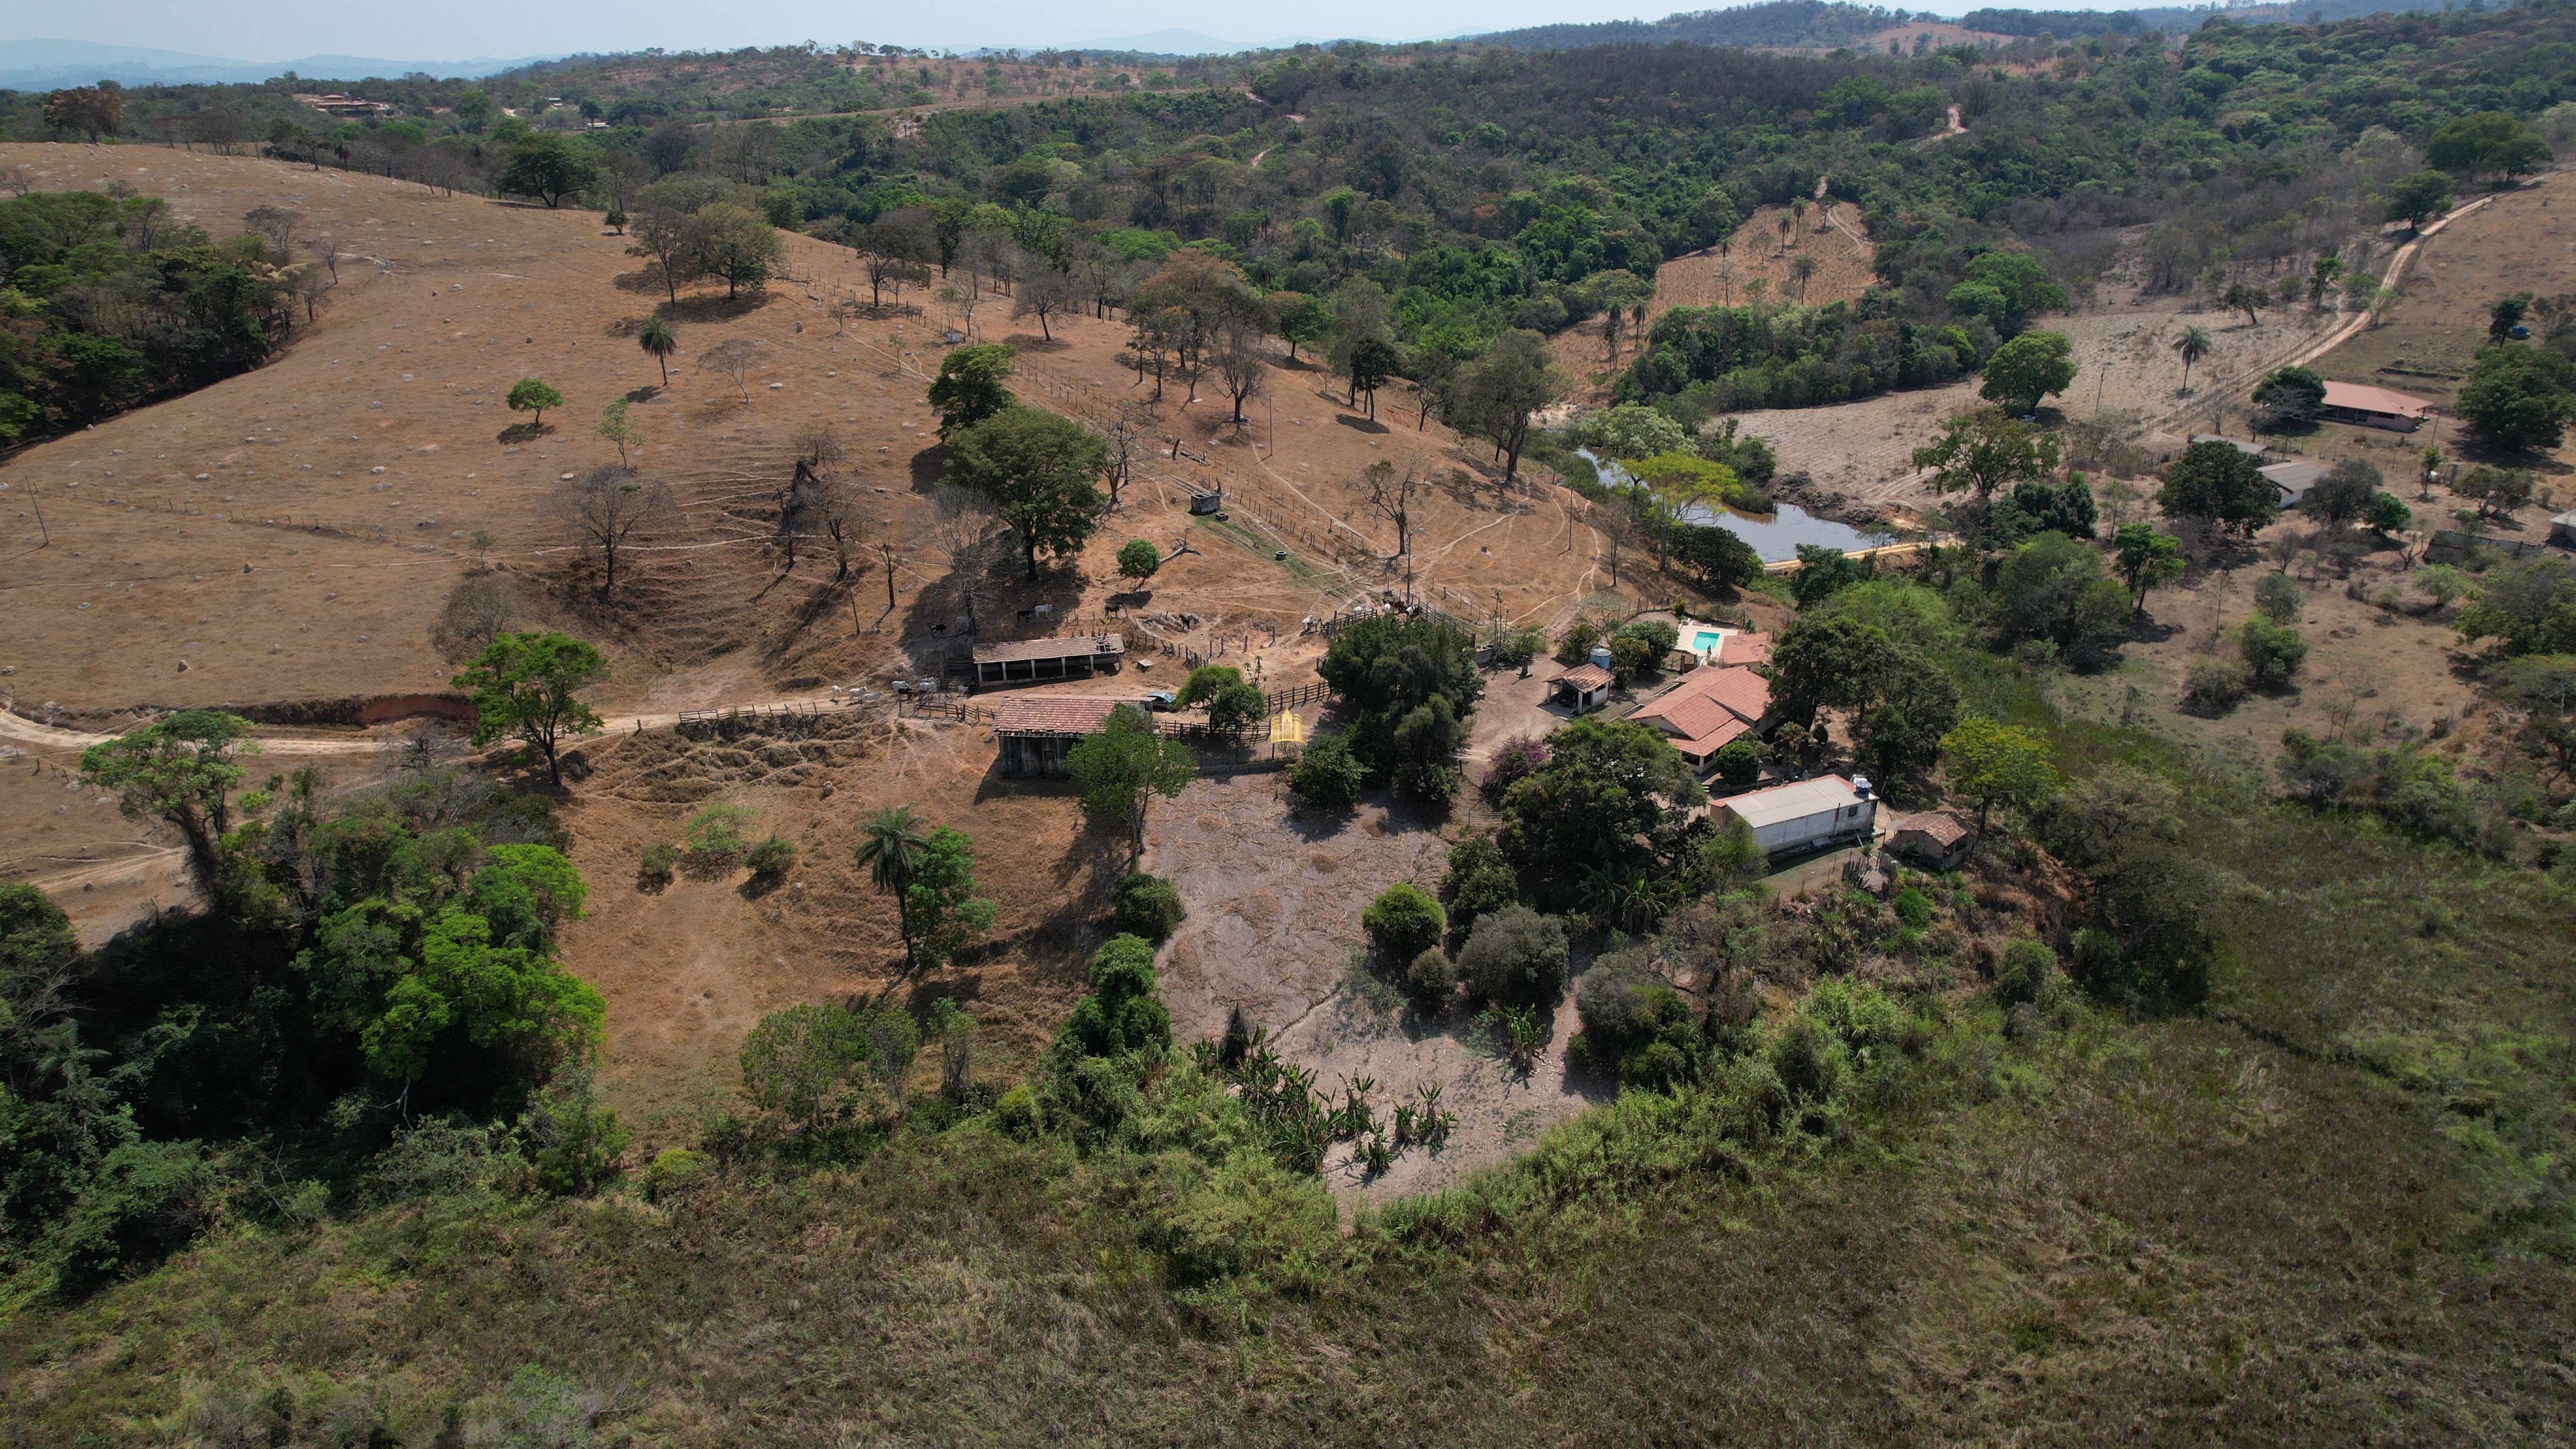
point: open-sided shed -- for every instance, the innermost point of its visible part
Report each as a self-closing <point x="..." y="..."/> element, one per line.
<point x="1036" y="661"/>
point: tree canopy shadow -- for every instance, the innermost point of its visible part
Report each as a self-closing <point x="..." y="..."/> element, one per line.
<point x="1360" y="424"/>
<point x="929" y="466"/>
<point x="714" y="308"/>
<point x="523" y="432"/>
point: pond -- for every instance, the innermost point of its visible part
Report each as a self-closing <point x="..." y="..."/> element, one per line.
<point x="1774" y="536"/>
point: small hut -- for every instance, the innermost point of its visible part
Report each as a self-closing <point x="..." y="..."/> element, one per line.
<point x="1040" y="661"/>
<point x="1584" y="687"/>
<point x="1934" y="839"/>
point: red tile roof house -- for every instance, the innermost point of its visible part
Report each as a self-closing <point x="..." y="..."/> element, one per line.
<point x="1741" y="649"/>
<point x="1709" y="709"/>
<point x="2373" y="407"/>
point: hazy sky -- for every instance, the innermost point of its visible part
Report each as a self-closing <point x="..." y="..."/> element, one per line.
<point x="457" y="29"/>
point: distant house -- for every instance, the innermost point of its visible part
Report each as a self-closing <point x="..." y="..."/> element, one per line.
<point x="1037" y="661"/>
<point x="1584" y="687"/>
<point x="1935" y="839"/>
<point x="1809" y="815"/>
<point x="2294" y="479"/>
<point x="1035" y="731"/>
<point x="2255" y="451"/>
<point x="336" y="104"/>
<point x="2373" y="407"/>
<point x="1708" y="710"/>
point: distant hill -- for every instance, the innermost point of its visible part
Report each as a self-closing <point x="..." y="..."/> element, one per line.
<point x="1824" y="24"/>
<point x="42" y="65"/>
<point x="1779" y="24"/>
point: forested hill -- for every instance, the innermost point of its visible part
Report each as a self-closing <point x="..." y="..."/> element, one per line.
<point x="1783" y="24"/>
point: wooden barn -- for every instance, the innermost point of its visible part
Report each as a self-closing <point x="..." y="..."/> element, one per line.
<point x="1035" y="731"/>
<point x="1037" y="661"/>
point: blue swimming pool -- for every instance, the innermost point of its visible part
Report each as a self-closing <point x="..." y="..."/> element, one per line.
<point x="1704" y="640"/>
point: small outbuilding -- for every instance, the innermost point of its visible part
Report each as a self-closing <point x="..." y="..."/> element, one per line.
<point x="1808" y="815"/>
<point x="2562" y="529"/>
<point x="1036" y="731"/>
<point x="1038" y="661"/>
<point x="1934" y="839"/>
<point x="2294" y="479"/>
<point x="1584" y="687"/>
<point x="2373" y="407"/>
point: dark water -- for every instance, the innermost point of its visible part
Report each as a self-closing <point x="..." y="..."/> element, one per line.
<point x="1774" y="536"/>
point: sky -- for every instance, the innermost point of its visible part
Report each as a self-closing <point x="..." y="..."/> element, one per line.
<point x="459" y="29"/>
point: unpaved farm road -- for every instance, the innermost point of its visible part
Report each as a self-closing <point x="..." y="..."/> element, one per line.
<point x="17" y="729"/>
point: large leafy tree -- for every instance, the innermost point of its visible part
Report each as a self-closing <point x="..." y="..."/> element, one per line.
<point x="181" y="770"/>
<point x="1391" y="669"/>
<point x="1514" y="381"/>
<point x="1042" y="474"/>
<point x="1996" y="764"/>
<point x="1123" y="765"/>
<point x="942" y="912"/>
<point x="528" y="685"/>
<point x="2054" y="588"/>
<point x="1986" y="450"/>
<point x="2031" y="366"/>
<point x="1609" y="788"/>
<point x="973" y="384"/>
<point x="2145" y="559"/>
<point x="2217" y="484"/>
<point x="2518" y="396"/>
<point x="548" y="168"/>
<point x="1829" y="661"/>
<point x="2490" y="143"/>
<point x="2419" y="198"/>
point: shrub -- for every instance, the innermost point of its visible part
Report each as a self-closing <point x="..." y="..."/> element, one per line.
<point x="2029" y="968"/>
<point x="1428" y="981"/>
<point x="715" y="832"/>
<point x="2149" y="949"/>
<point x="772" y="857"/>
<point x="673" y="1171"/>
<point x="1655" y="1067"/>
<point x="1630" y="658"/>
<point x="1326" y="775"/>
<point x="1913" y="908"/>
<point x="1518" y="647"/>
<point x="1403" y="922"/>
<point x="2277" y="598"/>
<point x="1636" y="1025"/>
<point x="654" y="870"/>
<point x="1739" y="762"/>
<point x="2213" y="685"/>
<point x="1478" y="880"/>
<point x="1514" y="760"/>
<point x="1658" y="636"/>
<point x="1574" y="646"/>
<point x="144" y="1201"/>
<point x="1124" y="1010"/>
<point x="1150" y="907"/>
<point x="2272" y="653"/>
<point x="1515" y="956"/>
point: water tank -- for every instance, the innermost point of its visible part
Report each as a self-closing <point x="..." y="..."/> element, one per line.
<point x="1860" y="786"/>
<point x="1601" y="655"/>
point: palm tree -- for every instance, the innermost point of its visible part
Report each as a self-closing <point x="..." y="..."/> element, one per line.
<point x="1802" y="270"/>
<point x="2193" y="345"/>
<point x="891" y="843"/>
<point x="657" y="338"/>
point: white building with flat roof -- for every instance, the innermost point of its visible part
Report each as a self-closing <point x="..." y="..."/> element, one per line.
<point x="1807" y="815"/>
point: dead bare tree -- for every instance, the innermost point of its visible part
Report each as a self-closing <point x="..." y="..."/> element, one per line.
<point x="1047" y="293"/>
<point x="1240" y="368"/>
<point x="1129" y="435"/>
<point x="967" y="534"/>
<point x="818" y="502"/>
<point x="734" y="357"/>
<point x="276" y="223"/>
<point x="602" y="509"/>
<point x="1392" y="494"/>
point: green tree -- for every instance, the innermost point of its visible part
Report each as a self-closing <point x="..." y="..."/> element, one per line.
<point x="1997" y="763"/>
<point x="1149" y="906"/>
<point x="2419" y="198"/>
<point x="1739" y="762"/>
<point x="2054" y="588"/>
<point x="1124" y="1010"/>
<point x="2291" y="394"/>
<point x="2031" y="366"/>
<point x="1139" y="560"/>
<point x="2277" y="597"/>
<point x="532" y="395"/>
<point x="1719" y="559"/>
<point x="795" y="1059"/>
<point x="2272" y="651"/>
<point x="2145" y="559"/>
<point x="1986" y="450"/>
<point x="1514" y="381"/>
<point x="1430" y="740"/>
<point x="1123" y="765"/>
<point x="659" y="340"/>
<point x="1516" y="957"/>
<point x="525" y="684"/>
<point x="1041" y="472"/>
<point x="180" y="770"/>
<point x="942" y="913"/>
<point x="2519" y="396"/>
<point x="1403" y="923"/>
<point x="2191" y="347"/>
<point x="972" y="385"/>
<point x="1231" y="703"/>
<point x="615" y="427"/>
<point x="2490" y="143"/>
<point x="889" y="1042"/>
<point x="1629" y="431"/>
<point x="1830" y="661"/>
<point x="1326" y="775"/>
<point x="2149" y="948"/>
<point x="2218" y="484"/>
<point x="546" y="167"/>
<point x="1606" y="785"/>
<point x="1369" y="363"/>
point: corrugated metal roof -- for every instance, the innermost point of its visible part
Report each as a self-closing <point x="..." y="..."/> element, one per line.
<point x="1793" y="801"/>
<point x="1078" y="646"/>
<point x="1054" y="714"/>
